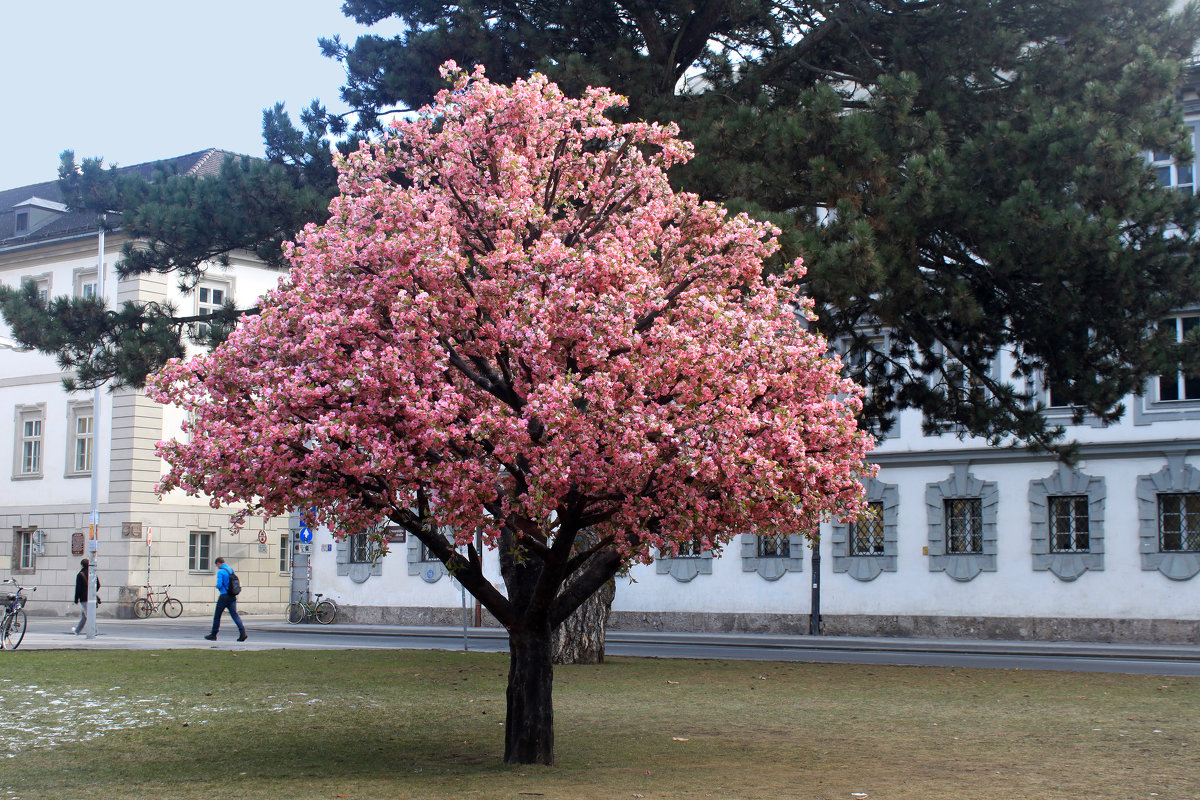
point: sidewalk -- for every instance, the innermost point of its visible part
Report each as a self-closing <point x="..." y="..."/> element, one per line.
<point x="187" y="632"/>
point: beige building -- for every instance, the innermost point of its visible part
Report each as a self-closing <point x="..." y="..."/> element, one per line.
<point x="57" y="439"/>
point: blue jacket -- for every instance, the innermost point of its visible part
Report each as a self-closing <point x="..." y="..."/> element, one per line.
<point x="223" y="574"/>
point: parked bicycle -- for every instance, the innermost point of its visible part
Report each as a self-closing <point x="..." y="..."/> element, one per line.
<point x="323" y="611"/>
<point x="12" y="627"/>
<point x="153" y="601"/>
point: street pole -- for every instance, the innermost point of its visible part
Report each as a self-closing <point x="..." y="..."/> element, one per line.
<point x="94" y="530"/>
<point x="814" y="616"/>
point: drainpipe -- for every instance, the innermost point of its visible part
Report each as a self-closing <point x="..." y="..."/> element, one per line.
<point x="814" y="615"/>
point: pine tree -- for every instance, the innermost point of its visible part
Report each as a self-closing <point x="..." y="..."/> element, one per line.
<point x="962" y="178"/>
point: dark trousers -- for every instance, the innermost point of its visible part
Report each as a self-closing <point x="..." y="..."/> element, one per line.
<point x="223" y="602"/>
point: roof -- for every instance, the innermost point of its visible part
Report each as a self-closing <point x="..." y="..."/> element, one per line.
<point x="203" y="163"/>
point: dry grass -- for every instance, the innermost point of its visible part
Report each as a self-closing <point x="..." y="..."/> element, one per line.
<point x="410" y="724"/>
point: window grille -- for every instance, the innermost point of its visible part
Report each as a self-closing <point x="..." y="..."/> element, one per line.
<point x="285" y="553"/>
<point x="83" y="443"/>
<point x="1179" y="522"/>
<point x="777" y="546"/>
<point x="1069" y="524"/>
<point x="27" y="559"/>
<point x="964" y="525"/>
<point x="866" y="535"/>
<point x="360" y="549"/>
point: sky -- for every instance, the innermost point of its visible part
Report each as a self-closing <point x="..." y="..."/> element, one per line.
<point x="139" y="80"/>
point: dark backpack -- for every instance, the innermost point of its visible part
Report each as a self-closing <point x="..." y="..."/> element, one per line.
<point x="235" y="584"/>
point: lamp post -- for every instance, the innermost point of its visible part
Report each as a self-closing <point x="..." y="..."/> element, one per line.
<point x="94" y="530"/>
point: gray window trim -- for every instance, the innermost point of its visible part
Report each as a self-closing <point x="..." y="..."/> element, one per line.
<point x="429" y="571"/>
<point x="869" y="567"/>
<point x="960" y="485"/>
<point x="1065" y="481"/>
<point x="1176" y="476"/>
<point x="771" y="568"/>
<point x="357" y="571"/>
<point x="684" y="568"/>
<point x="33" y="411"/>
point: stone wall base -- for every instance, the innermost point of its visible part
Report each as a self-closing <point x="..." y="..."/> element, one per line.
<point x="1065" y="629"/>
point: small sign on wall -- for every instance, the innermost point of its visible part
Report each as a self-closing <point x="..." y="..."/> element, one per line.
<point x="131" y="530"/>
<point x="77" y="543"/>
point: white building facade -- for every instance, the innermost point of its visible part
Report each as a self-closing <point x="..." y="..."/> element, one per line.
<point x="55" y="439"/>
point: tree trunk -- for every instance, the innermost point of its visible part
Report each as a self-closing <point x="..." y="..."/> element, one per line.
<point x="529" y="724"/>
<point x="580" y="640"/>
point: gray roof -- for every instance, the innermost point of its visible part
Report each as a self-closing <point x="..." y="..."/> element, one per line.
<point x="204" y="163"/>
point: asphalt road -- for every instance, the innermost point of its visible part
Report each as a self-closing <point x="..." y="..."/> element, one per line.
<point x="275" y="633"/>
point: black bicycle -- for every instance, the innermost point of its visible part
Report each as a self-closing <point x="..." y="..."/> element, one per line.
<point x="323" y="611"/>
<point x="12" y="627"/>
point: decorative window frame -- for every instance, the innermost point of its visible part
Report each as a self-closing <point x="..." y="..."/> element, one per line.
<point x="1177" y="476"/>
<point x="961" y="485"/>
<point x="46" y="277"/>
<point x="357" y="571"/>
<point x="430" y="571"/>
<point x="85" y="276"/>
<point x="684" y="568"/>
<point x="35" y="411"/>
<point x="1065" y="481"/>
<point x="770" y="568"/>
<point x="869" y="567"/>
<point x="194" y="566"/>
<point x="76" y="411"/>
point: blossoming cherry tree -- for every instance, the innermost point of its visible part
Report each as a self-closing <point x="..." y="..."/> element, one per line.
<point x="512" y="326"/>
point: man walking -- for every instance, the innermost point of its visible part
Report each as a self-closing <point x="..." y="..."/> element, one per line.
<point x="81" y="596"/>
<point x="225" y="600"/>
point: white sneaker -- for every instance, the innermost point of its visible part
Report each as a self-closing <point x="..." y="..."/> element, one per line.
<point x="75" y="630"/>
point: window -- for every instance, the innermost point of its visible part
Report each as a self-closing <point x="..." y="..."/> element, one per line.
<point x="285" y="554"/>
<point x="22" y="221"/>
<point x="1174" y="175"/>
<point x="1069" y="528"/>
<point x="866" y="535"/>
<point x="24" y="554"/>
<point x="30" y="422"/>
<point x="1179" y="522"/>
<point x="360" y="549"/>
<point x="964" y="525"/>
<point x="1169" y="518"/>
<point x="86" y="284"/>
<point x="81" y="438"/>
<point x="868" y="548"/>
<point x="1179" y="385"/>
<point x="42" y="286"/>
<point x="200" y="551"/>
<point x="690" y="561"/>
<point x="962" y="514"/>
<point x="210" y="298"/>
<point x="1066" y="523"/>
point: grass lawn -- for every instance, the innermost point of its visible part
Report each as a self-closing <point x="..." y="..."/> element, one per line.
<point x="411" y="724"/>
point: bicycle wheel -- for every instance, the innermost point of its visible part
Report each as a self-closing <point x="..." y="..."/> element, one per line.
<point x="14" y="630"/>
<point x="326" y="612"/>
<point x="295" y="612"/>
<point x="172" y="607"/>
<point x="142" y="608"/>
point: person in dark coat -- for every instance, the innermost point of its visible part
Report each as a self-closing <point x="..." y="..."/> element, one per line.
<point x="81" y="595"/>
